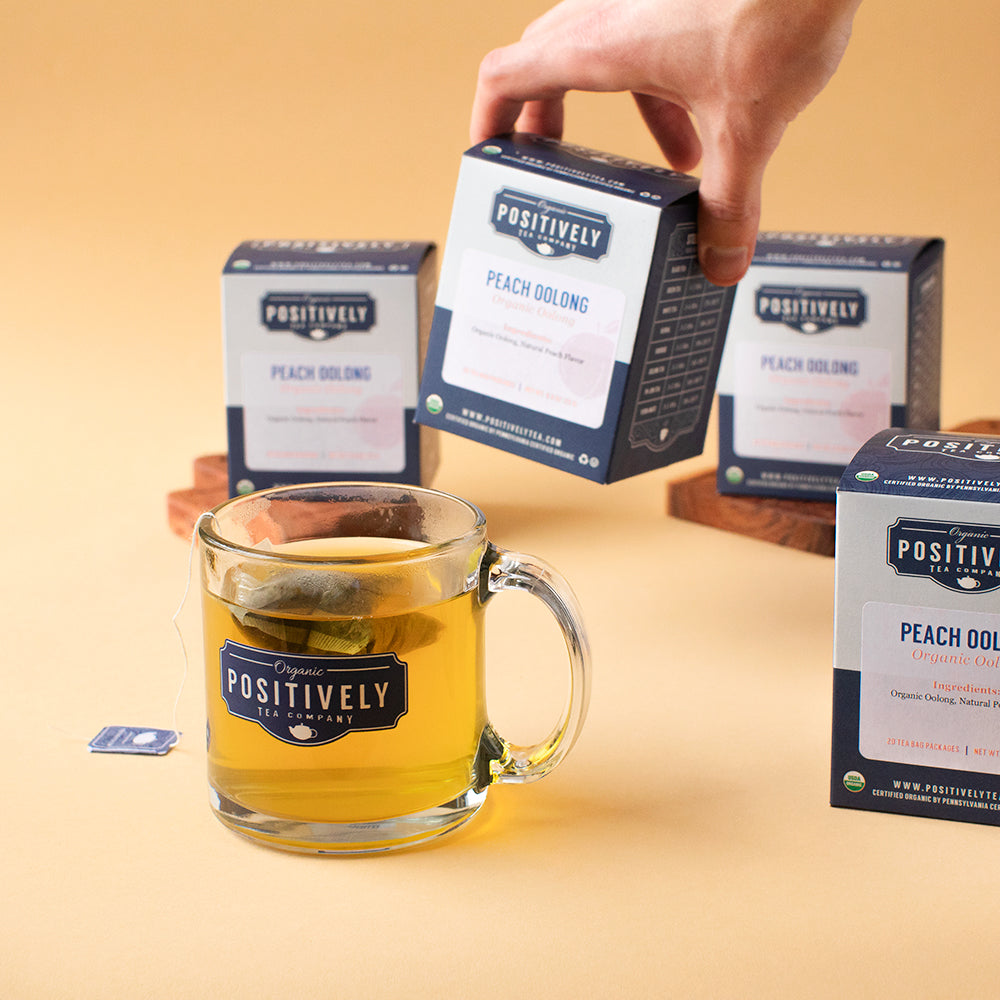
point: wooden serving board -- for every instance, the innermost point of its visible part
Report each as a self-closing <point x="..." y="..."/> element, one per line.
<point x="800" y="524"/>
<point x="808" y="525"/>
<point x="211" y="487"/>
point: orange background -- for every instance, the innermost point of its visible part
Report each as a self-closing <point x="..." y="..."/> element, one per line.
<point x="143" y="141"/>
<point x="686" y="847"/>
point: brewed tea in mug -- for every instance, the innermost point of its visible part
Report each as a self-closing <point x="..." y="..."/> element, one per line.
<point x="345" y="674"/>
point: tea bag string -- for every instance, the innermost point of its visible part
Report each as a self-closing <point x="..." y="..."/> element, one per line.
<point x="180" y="607"/>
<point x="142" y="739"/>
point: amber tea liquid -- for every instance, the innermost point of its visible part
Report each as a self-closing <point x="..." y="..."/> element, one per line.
<point x="426" y="758"/>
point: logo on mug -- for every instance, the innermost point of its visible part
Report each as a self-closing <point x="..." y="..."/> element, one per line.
<point x="309" y="700"/>
<point x="550" y="228"/>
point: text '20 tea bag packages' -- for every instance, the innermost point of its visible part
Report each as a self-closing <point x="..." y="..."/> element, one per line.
<point x="916" y="716"/>
<point x="573" y="325"/>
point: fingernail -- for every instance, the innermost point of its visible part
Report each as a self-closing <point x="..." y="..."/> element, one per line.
<point x="724" y="265"/>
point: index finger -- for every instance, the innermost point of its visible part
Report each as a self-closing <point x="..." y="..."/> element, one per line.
<point x="493" y="115"/>
<point x="505" y="88"/>
<point x="553" y="57"/>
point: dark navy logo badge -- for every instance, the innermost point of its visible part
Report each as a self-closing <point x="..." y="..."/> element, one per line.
<point x="970" y="449"/>
<point x="317" y="315"/>
<point x="960" y="557"/>
<point x="312" y="700"/>
<point x="811" y="310"/>
<point x="549" y="228"/>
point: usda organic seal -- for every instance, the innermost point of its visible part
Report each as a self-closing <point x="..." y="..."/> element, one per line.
<point x="854" y="781"/>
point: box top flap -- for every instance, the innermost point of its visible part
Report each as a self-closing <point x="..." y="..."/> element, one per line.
<point x="616" y="175"/>
<point x="843" y="251"/>
<point x="372" y="257"/>
<point x="933" y="464"/>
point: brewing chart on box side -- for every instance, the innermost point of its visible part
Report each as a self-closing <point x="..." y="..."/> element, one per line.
<point x="676" y="384"/>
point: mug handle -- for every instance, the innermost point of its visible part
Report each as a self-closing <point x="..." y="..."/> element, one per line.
<point x="507" y="570"/>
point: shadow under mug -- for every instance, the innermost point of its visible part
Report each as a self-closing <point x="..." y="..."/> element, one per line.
<point x="345" y="675"/>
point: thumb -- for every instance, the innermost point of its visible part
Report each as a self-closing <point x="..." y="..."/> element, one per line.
<point x="729" y="200"/>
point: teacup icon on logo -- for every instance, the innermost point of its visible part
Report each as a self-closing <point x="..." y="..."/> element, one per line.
<point x="301" y="732"/>
<point x="967" y="583"/>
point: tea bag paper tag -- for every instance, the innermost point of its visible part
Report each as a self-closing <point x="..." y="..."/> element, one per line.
<point x="133" y="739"/>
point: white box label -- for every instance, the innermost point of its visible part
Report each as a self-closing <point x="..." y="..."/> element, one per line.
<point x="539" y="340"/>
<point x="819" y="404"/>
<point x="930" y="687"/>
<point x="344" y="413"/>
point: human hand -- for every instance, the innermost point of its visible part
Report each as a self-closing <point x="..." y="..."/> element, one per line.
<point x="715" y="80"/>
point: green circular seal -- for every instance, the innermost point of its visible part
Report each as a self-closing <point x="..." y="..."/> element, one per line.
<point x="434" y="403"/>
<point x="866" y="476"/>
<point x="854" y="781"/>
<point x="734" y="475"/>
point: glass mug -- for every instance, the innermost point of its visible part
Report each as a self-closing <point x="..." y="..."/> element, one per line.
<point x="344" y="648"/>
